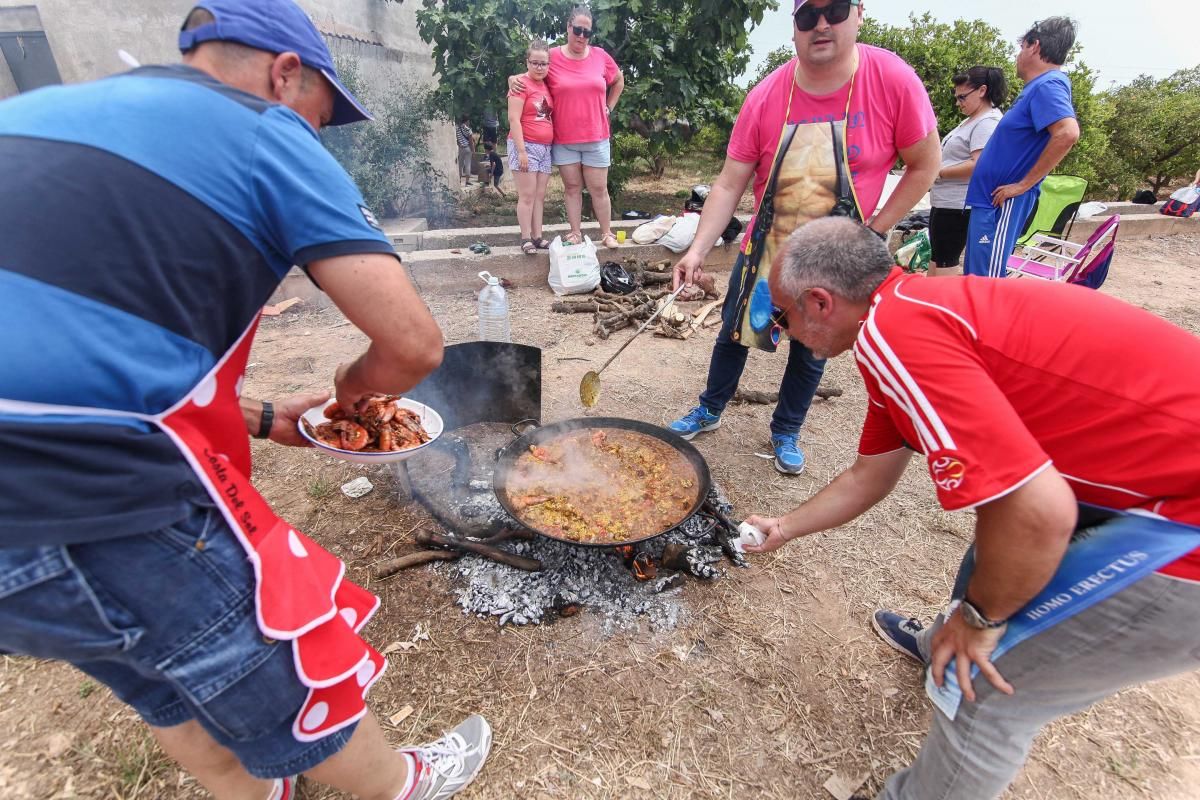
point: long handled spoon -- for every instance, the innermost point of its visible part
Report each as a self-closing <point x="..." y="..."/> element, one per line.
<point x="589" y="387"/>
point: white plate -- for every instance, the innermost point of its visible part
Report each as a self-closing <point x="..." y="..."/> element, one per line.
<point x="430" y="419"/>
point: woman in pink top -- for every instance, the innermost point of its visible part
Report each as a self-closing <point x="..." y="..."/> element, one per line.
<point x="530" y="135"/>
<point x="585" y="83"/>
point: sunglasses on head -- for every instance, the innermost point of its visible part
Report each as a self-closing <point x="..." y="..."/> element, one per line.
<point x="835" y="13"/>
<point x="579" y="30"/>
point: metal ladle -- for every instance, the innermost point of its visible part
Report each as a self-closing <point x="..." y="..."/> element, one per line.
<point x="589" y="387"/>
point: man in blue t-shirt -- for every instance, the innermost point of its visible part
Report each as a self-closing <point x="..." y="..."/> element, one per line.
<point x="191" y="189"/>
<point x="1030" y="141"/>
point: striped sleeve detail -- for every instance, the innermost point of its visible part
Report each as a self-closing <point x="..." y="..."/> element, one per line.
<point x="895" y="381"/>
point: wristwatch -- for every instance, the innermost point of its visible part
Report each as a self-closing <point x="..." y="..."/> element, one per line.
<point x="977" y="619"/>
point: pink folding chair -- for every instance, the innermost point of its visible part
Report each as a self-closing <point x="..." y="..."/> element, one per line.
<point x="1059" y="260"/>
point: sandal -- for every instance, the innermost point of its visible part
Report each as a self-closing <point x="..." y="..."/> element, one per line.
<point x="541" y="244"/>
<point x="610" y="241"/>
<point x="573" y="238"/>
<point x="528" y="247"/>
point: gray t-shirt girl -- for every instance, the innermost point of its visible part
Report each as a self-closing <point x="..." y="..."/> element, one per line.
<point x="969" y="136"/>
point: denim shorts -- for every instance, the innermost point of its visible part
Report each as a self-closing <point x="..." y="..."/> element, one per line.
<point x="592" y="154"/>
<point x="166" y="620"/>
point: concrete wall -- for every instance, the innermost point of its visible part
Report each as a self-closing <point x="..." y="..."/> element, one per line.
<point x="85" y="37"/>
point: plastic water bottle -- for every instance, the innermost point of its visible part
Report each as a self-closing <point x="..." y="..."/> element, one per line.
<point x="493" y="311"/>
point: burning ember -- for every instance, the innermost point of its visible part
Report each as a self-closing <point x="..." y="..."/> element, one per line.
<point x="626" y="584"/>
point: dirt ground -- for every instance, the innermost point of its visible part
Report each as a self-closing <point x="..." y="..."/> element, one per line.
<point x="773" y="682"/>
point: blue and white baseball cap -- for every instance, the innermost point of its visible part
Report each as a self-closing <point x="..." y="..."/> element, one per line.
<point x="276" y="26"/>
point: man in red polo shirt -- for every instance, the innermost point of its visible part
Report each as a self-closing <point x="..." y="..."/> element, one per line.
<point x="1025" y="399"/>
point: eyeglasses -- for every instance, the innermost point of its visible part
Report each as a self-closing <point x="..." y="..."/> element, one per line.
<point x="835" y="13"/>
<point x="779" y="320"/>
<point x="537" y="63"/>
<point x="579" y="30"/>
<point x="959" y="98"/>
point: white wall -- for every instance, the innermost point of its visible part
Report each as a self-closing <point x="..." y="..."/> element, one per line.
<point x="84" y="36"/>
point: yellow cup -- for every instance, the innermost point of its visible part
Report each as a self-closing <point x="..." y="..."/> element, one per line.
<point x="620" y="237"/>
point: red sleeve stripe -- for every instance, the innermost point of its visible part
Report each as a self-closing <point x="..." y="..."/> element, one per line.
<point x="889" y="365"/>
<point x="865" y="359"/>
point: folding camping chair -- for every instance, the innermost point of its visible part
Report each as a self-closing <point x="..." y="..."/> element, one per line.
<point x="1054" y="211"/>
<point x="1054" y="259"/>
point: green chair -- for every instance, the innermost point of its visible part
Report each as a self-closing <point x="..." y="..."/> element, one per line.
<point x="1054" y="212"/>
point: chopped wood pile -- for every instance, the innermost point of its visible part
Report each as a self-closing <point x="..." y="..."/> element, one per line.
<point x="613" y="312"/>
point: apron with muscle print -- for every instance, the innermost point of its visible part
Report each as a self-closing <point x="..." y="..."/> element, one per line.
<point x="810" y="178"/>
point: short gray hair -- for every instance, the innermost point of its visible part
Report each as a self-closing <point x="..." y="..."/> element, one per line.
<point x="1056" y="35"/>
<point x="836" y="254"/>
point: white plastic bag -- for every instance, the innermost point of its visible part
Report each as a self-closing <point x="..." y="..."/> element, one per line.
<point x="680" y="237"/>
<point x="1187" y="195"/>
<point x="574" y="268"/>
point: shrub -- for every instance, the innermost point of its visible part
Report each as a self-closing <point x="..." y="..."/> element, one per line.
<point x="389" y="158"/>
<point x="630" y="153"/>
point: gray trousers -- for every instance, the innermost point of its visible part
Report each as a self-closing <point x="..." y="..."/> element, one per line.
<point x="1150" y="630"/>
<point x="466" y="162"/>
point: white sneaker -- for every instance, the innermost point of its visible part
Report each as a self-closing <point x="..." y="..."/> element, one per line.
<point x="449" y="764"/>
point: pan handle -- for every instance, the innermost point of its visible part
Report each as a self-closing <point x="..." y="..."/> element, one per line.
<point x="524" y="426"/>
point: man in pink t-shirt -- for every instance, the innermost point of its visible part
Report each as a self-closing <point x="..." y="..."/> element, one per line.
<point x="886" y="114"/>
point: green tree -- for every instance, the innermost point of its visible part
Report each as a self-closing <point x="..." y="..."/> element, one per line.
<point x="1090" y="158"/>
<point x="775" y="59"/>
<point x="1154" y="128"/>
<point x="389" y="157"/>
<point x="679" y="60"/>
<point x="940" y="50"/>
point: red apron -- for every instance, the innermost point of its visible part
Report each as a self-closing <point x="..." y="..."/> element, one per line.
<point x="300" y="594"/>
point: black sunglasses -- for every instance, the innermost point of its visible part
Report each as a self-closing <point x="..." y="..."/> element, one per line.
<point x="958" y="98"/>
<point x="579" y="30"/>
<point x="835" y="13"/>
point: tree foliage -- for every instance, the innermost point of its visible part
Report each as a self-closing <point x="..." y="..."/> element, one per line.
<point x="679" y="59"/>
<point x="389" y="157"/>
<point x="1154" y="128"/>
<point x="940" y="50"/>
<point x="774" y="60"/>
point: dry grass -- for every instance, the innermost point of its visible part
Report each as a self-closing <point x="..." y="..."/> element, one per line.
<point x="773" y="682"/>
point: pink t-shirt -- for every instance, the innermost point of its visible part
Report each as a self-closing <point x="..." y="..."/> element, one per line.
<point x="580" y="91"/>
<point x="889" y="111"/>
<point x="537" y="112"/>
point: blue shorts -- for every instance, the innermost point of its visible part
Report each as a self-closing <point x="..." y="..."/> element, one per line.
<point x="592" y="154"/>
<point x="992" y="232"/>
<point x="166" y="620"/>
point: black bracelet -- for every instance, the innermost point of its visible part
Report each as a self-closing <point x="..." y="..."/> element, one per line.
<point x="877" y="233"/>
<point x="264" y="424"/>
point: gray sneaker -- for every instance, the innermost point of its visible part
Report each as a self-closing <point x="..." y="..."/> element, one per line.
<point x="450" y="763"/>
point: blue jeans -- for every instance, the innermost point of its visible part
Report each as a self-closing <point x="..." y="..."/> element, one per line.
<point x="166" y="620"/>
<point x="801" y="376"/>
<point x="1148" y="631"/>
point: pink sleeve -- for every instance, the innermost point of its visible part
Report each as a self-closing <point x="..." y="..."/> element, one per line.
<point x="611" y="70"/>
<point x="914" y="117"/>
<point x="743" y="141"/>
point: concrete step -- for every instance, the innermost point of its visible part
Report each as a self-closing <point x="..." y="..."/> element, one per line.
<point x="510" y="235"/>
<point x="1135" y="226"/>
<point x="442" y="271"/>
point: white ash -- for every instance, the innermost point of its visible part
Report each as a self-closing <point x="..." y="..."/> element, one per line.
<point x="597" y="580"/>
